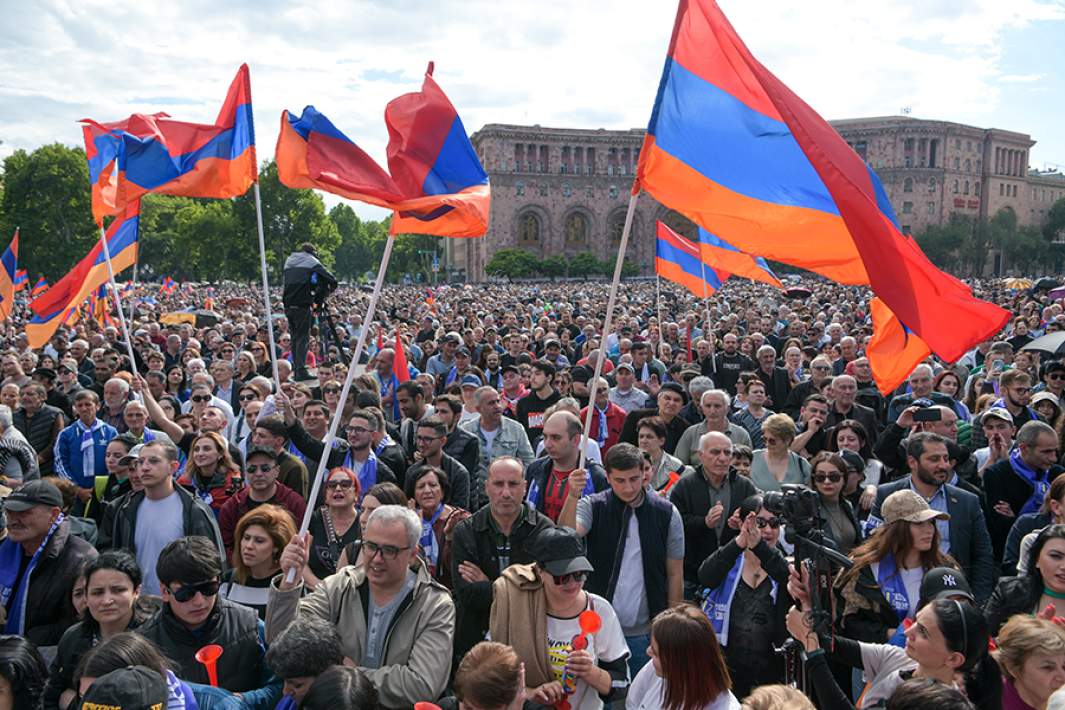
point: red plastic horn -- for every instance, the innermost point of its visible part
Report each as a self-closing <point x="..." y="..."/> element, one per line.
<point x="208" y="656"/>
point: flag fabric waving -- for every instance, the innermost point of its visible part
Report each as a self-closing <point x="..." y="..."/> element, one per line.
<point x="679" y="260"/>
<point x="400" y="368"/>
<point x="435" y="183"/>
<point x="732" y="148"/>
<point x="22" y="279"/>
<point x="155" y="153"/>
<point x="8" y="270"/>
<point x="55" y="306"/>
<point x="38" y="288"/>
<point x="893" y="351"/>
<point x="719" y="253"/>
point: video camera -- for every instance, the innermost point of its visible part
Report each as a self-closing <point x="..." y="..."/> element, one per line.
<point x="321" y="289"/>
<point x="799" y="506"/>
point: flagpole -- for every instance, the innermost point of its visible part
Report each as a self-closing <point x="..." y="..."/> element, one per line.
<point x="658" y="309"/>
<point x="706" y="304"/>
<point x="266" y="291"/>
<point x="360" y="343"/>
<point x="133" y="296"/>
<point x="618" y="262"/>
<point x="118" y="301"/>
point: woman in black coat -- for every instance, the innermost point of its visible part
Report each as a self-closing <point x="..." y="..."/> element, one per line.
<point x="841" y="526"/>
<point x="1042" y="586"/>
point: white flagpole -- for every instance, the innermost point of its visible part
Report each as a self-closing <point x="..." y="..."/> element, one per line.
<point x="706" y="305"/>
<point x="658" y="309"/>
<point x="133" y="297"/>
<point x="316" y="485"/>
<point x="118" y="300"/>
<point x="266" y="289"/>
<point x="618" y="261"/>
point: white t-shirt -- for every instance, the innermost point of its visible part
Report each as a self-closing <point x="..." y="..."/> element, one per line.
<point x="648" y="692"/>
<point x="159" y="522"/>
<point x="911" y="579"/>
<point x="489" y="438"/>
<point x="608" y="644"/>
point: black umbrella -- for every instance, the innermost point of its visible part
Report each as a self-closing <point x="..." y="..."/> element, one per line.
<point x="1045" y="284"/>
<point x="1053" y="343"/>
<point x="797" y="292"/>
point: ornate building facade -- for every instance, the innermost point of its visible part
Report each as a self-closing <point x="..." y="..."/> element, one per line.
<point x="559" y="191"/>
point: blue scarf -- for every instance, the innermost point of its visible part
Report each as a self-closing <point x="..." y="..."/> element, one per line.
<point x="718" y="603"/>
<point x="389" y="389"/>
<point x="367" y="474"/>
<point x="534" y="490"/>
<point x="892" y="587"/>
<point x="1001" y="402"/>
<point x="603" y="431"/>
<point x="10" y="560"/>
<point x="428" y="539"/>
<point x="1038" y="482"/>
<point x="291" y="448"/>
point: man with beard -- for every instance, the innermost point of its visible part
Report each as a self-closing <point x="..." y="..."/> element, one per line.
<point x="820" y="369"/>
<point x="729" y="363"/>
<point x="965" y="535"/>
<point x="430" y="437"/>
<point x="531" y="407"/>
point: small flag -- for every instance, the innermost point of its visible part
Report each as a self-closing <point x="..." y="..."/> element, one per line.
<point x="400" y="368"/>
<point x="40" y="287"/>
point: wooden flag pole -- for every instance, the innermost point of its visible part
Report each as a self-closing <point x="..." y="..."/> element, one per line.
<point x="658" y="309"/>
<point x="316" y="485"/>
<point x="118" y="300"/>
<point x="266" y="290"/>
<point x="618" y="262"/>
<point x="706" y="329"/>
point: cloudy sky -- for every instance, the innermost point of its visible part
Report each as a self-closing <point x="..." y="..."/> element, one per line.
<point x="560" y="63"/>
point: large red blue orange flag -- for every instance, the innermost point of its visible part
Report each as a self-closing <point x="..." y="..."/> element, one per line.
<point x="8" y="269"/>
<point x="56" y="305"/>
<point x="22" y="279"/>
<point x="434" y="184"/>
<point x="893" y="351"/>
<point x="678" y="260"/>
<point x="155" y="153"/>
<point x="719" y="253"/>
<point x="738" y="153"/>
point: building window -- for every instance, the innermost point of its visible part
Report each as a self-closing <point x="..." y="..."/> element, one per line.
<point x="976" y="187"/>
<point x="905" y="229"/>
<point x="909" y="161"/>
<point x="968" y="165"/>
<point x="617" y="226"/>
<point x="957" y="143"/>
<point x="979" y="165"/>
<point x="966" y="187"/>
<point x="861" y="148"/>
<point x="908" y="145"/>
<point x="907" y="208"/>
<point x="968" y="145"/>
<point x="955" y="187"/>
<point x="1014" y="190"/>
<point x="520" y="188"/>
<point x="907" y="185"/>
<point x="613" y="192"/>
<point x="529" y="229"/>
<point x="576" y="229"/>
<point x="931" y="184"/>
<point x="1001" y="189"/>
<point x="957" y="164"/>
<point x="543" y="189"/>
<point x="567" y="191"/>
<point x="931" y="208"/>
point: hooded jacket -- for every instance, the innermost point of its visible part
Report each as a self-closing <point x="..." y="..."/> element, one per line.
<point x="519" y="619"/>
<point x="302" y="276"/>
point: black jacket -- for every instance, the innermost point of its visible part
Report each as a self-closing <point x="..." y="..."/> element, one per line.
<point x="475" y="540"/>
<point x="674" y="429"/>
<point x="198" y="520"/>
<point x="303" y="277"/>
<point x="48" y="609"/>
<point x="867" y="624"/>
<point x="465" y="448"/>
<point x="313" y="449"/>
<point x="1001" y="483"/>
<point x="458" y="479"/>
<point x="1029" y="522"/>
<point x="1012" y="595"/>
<point x="691" y="496"/>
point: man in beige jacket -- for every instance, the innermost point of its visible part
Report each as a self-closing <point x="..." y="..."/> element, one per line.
<point x="396" y="623"/>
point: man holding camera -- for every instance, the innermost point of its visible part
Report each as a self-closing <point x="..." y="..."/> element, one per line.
<point x="306" y="283"/>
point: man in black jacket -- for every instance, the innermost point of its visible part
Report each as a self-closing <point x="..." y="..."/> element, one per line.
<point x="306" y="282"/>
<point x="706" y="500"/>
<point x="495" y="537"/>
<point x="460" y="445"/>
<point x="430" y="437"/>
<point x="39" y="562"/>
<point x="554" y="481"/>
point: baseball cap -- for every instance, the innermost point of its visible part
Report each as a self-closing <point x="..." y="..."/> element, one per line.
<point x="945" y="582"/>
<point x="463" y="350"/>
<point x="132" y="456"/>
<point x="262" y="451"/>
<point x="129" y="688"/>
<point x="998" y="413"/>
<point x="1036" y="398"/>
<point x="49" y="374"/>
<point x="451" y="338"/>
<point x="675" y="388"/>
<point x="33" y="494"/>
<point x="559" y="551"/>
<point x="66" y="366"/>
<point x="625" y="366"/>
<point x="909" y="506"/>
<point x="471" y="381"/>
<point x="510" y="368"/>
<point x="853" y="459"/>
<point x="581" y="374"/>
<point x="923" y="402"/>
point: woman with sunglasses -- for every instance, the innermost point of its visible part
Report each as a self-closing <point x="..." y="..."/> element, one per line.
<point x="260" y="536"/>
<point x="745" y="597"/>
<point x="882" y="589"/>
<point x="426" y="491"/>
<point x="211" y="474"/>
<point x="536" y="609"/>
<point x="841" y="525"/>
<point x="112" y="585"/>
<point x="333" y="525"/>
<point x="331" y="396"/>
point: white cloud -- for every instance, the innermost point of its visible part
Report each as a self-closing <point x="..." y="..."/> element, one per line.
<point x="551" y="62"/>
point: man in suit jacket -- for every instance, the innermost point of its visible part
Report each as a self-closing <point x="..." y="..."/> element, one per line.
<point x="964" y="536"/>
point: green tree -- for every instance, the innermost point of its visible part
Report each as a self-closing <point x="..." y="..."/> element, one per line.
<point x="511" y="264"/>
<point x="1026" y="251"/>
<point x="629" y="269"/>
<point x="355" y="252"/>
<point x="941" y="243"/>
<point x="585" y="264"/>
<point x="554" y="266"/>
<point x="46" y="194"/>
<point x="1055" y="224"/>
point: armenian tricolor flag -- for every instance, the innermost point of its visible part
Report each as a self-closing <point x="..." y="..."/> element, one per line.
<point x="55" y="305"/>
<point x="679" y="260"/>
<point x="8" y="271"/>
<point x="22" y="279"/>
<point x="737" y="152"/>
<point x="717" y="252"/>
<point x="155" y="153"/>
<point x="434" y="184"/>
<point x="168" y="286"/>
<point x="38" y="288"/>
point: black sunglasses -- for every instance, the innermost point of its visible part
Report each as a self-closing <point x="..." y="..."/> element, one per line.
<point x="344" y="483"/>
<point x="201" y="398"/>
<point x="833" y="477"/>
<point x="773" y="522"/>
<point x="564" y="578"/>
<point x="246" y="397"/>
<point x="186" y="592"/>
<point x="330" y="390"/>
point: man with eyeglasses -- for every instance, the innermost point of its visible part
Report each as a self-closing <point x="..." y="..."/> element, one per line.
<point x="194" y="616"/>
<point x="429" y="438"/>
<point x="261" y="472"/>
<point x="965" y="537"/>
<point x="706" y="501"/>
<point x="396" y="623"/>
<point x="271" y="432"/>
<point x="150" y="519"/>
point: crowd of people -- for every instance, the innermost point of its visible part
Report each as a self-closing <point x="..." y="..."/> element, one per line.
<point x="469" y="547"/>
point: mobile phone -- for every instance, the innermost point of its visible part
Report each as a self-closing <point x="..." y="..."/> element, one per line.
<point x="928" y="414"/>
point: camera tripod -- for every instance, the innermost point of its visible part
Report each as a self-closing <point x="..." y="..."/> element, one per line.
<point x="328" y="335"/>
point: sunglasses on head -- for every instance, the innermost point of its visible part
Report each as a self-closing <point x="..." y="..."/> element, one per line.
<point x="564" y="578"/>
<point x="833" y="477"/>
<point x="773" y="522"/>
<point x="186" y="592"/>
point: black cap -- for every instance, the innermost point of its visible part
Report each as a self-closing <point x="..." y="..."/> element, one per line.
<point x="33" y="494"/>
<point x="510" y="368"/>
<point x="46" y="373"/>
<point x="944" y="583"/>
<point x="559" y="551"/>
<point x="261" y="451"/>
<point x="462" y="350"/>
<point x="581" y="373"/>
<point x="129" y="688"/>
